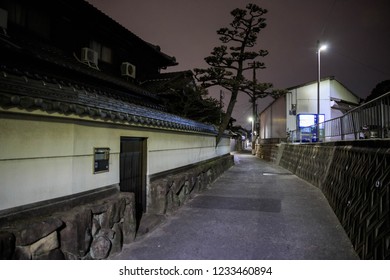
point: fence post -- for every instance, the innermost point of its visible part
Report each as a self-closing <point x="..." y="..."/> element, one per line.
<point x="341" y="128"/>
<point x="382" y="119"/>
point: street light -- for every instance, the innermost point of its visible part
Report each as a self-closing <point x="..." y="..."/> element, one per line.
<point x="319" y="49"/>
<point x="251" y="119"/>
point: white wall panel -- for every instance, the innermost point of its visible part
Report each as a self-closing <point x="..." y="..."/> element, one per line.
<point x="42" y="159"/>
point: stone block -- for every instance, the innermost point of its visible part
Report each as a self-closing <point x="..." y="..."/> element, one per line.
<point x="55" y="254"/>
<point x="95" y="226"/>
<point x="22" y="253"/>
<point x="32" y="232"/>
<point x="129" y="224"/>
<point x="104" y="219"/>
<point x="70" y="256"/>
<point x="179" y="181"/>
<point x="7" y="245"/>
<point x="44" y="245"/>
<point x="158" y="197"/>
<point x="113" y="213"/>
<point x="76" y="235"/>
<point x="117" y="240"/>
<point x="100" y="248"/>
<point x="107" y="232"/>
<point x="128" y="197"/>
<point x="99" y="208"/>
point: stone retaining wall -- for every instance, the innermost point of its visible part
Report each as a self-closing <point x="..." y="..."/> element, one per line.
<point x="168" y="193"/>
<point x="355" y="178"/>
<point x="90" y="231"/>
<point x="98" y="229"/>
<point x="268" y="149"/>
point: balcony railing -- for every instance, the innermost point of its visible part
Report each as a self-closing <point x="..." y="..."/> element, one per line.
<point x="368" y="121"/>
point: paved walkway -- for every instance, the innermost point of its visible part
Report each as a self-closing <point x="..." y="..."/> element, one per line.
<point x="253" y="211"/>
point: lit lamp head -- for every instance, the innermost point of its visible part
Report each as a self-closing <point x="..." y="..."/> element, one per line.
<point x="322" y="48"/>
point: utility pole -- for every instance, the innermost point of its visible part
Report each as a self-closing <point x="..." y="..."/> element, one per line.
<point x="319" y="49"/>
<point x="254" y="107"/>
<point x="221" y="96"/>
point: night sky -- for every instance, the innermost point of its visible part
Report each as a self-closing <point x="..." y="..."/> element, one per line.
<point x="357" y="33"/>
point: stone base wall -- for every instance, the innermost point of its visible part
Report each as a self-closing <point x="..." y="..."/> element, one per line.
<point x="268" y="149"/>
<point x="91" y="231"/>
<point x="310" y="162"/>
<point x="169" y="192"/>
<point x="355" y="178"/>
<point x="96" y="227"/>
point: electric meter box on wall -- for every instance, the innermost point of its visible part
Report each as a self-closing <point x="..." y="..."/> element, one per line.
<point x="101" y="160"/>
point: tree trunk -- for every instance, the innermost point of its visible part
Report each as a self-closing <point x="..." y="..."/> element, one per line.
<point x="226" y="119"/>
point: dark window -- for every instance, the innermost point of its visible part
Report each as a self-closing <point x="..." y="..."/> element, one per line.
<point x="105" y="53"/>
<point x="29" y="18"/>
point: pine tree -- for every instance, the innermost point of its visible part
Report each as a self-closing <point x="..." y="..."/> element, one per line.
<point x="229" y="61"/>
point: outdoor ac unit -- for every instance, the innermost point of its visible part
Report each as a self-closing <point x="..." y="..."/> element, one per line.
<point x="89" y="56"/>
<point x="128" y="69"/>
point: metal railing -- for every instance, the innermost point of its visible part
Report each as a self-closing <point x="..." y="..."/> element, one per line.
<point x="368" y="121"/>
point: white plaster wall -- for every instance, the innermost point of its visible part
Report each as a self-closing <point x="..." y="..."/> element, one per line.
<point x="46" y="159"/>
<point x="266" y="123"/>
<point x="307" y="99"/>
<point x="273" y="120"/>
<point x="31" y="180"/>
<point x="279" y="118"/>
<point x="340" y="92"/>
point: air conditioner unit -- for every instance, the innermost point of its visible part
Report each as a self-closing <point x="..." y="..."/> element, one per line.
<point x="89" y="56"/>
<point x="128" y="69"/>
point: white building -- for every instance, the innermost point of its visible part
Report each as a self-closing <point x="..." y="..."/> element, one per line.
<point x="282" y="115"/>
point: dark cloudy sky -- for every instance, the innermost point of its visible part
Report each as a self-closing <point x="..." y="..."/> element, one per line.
<point x="357" y="33"/>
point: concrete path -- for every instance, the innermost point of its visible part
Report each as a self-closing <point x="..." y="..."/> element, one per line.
<point x="253" y="211"/>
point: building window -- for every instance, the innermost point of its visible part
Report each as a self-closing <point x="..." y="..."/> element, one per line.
<point x="31" y="19"/>
<point x="105" y="53"/>
<point x="17" y="14"/>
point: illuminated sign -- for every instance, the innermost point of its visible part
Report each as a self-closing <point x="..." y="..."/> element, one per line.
<point x="307" y="127"/>
<point x="305" y="120"/>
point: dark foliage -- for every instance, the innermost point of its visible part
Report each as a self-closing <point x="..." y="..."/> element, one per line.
<point x="380" y="89"/>
<point x="193" y="103"/>
<point x="229" y="61"/>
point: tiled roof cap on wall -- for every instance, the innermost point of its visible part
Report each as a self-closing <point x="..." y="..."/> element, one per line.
<point x="28" y="91"/>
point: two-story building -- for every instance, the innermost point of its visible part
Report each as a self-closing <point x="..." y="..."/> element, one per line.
<point x="298" y="108"/>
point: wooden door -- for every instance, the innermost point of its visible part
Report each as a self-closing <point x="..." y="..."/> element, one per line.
<point x="132" y="171"/>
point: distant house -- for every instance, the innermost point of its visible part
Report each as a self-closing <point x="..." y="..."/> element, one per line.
<point x="300" y="105"/>
<point x="78" y="128"/>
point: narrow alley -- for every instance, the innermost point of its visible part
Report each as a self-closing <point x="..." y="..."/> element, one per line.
<point x="255" y="210"/>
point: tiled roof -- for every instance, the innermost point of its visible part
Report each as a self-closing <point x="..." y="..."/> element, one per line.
<point x="51" y="81"/>
<point x="27" y="93"/>
<point x="164" y="82"/>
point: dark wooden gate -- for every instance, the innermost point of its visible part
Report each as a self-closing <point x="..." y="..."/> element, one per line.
<point x="132" y="175"/>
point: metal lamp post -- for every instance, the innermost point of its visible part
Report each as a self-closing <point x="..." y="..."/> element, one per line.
<point x="319" y="49"/>
<point x="251" y="119"/>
